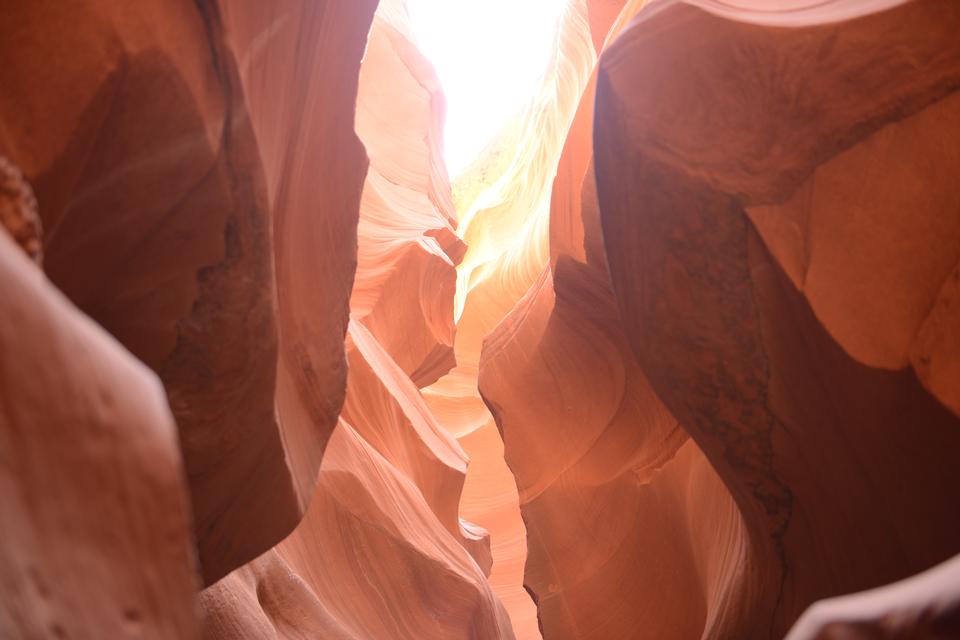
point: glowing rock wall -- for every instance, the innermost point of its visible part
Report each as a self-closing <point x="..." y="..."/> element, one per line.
<point x="504" y="215"/>
<point x="693" y="325"/>
<point x="678" y="357"/>
<point x="382" y="551"/>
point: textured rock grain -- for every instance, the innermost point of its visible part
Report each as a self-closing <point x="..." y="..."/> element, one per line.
<point x="95" y="525"/>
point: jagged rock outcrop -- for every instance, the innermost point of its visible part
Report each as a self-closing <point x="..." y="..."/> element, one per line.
<point x="766" y="286"/>
<point x="95" y="525"/>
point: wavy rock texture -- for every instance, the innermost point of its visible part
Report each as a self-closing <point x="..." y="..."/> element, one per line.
<point x="503" y="219"/>
<point x="709" y="289"/>
<point x="382" y="552"/>
<point x="160" y="170"/>
<point x="299" y="64"/>
<point x="628" y="525"/>
<point x="95" y="529"/>
<point x="763" y="281"/>
<point x="408" y="248"/>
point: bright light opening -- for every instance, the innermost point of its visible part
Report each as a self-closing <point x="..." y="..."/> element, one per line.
<point x="489" y="55"/>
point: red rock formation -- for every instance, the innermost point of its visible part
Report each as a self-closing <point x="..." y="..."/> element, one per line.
<point x="382" y="552"/>
<point x="18" y="211"/>
<point x="370" y="560"/>
<point x="299" y="62"/>
<point x="710" y="291"/>
<point x="504" y="217"/>
<point x="407" y="242"/>
<point x="96" y="541"/>
<point x="732" y="178"/>
<point x="923" y="607"/>
<point x="618" y="496"/>
<point x="160" y="170"/>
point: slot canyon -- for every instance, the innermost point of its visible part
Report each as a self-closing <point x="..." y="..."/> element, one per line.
<point x="503" y="320"/>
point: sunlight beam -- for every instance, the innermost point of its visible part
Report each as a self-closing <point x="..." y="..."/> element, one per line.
<point x="489" y="55"/>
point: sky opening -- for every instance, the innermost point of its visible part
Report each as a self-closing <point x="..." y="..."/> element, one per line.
<point x="489" y="55"/>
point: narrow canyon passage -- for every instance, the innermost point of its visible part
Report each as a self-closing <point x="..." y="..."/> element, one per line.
<point x="459" y="320"/>
<point x="511" y="77"/>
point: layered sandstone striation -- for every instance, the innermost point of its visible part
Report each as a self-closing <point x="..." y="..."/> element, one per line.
<point x="408" y="247"/>
<point x="677" y="357"/>
<point x="628" y="525"/>
<point x="382" y="551"/>
<point x="504" y="216"/>
<point x="691" y="382"/>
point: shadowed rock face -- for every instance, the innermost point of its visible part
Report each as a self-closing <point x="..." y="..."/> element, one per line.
<point x="925" y="607"/>
<point x="776" y="383"/>
<point x="629" y="527"/>
<point x="299" y="63"/>
<point x="171" y="181"/>
<point x="96" y="541"/>
<point x="619" y="499"/>
<point x="381" y="552"/>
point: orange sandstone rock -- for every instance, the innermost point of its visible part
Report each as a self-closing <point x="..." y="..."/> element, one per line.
<point x="179" y="153"/>
<point x="18" y="211"/>
<point x="93" y="510"/>
<point x="383" y="552"/>
<point x="838" y="458"/>
<point x="923" y="607"/>
<point x="407" y="242"/>
<point x="370" y="560"/>
<point x="299" y="62"/>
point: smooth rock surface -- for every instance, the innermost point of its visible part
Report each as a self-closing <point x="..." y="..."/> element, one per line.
<point x="93" y="507"/>
<point x="837" y="456"/>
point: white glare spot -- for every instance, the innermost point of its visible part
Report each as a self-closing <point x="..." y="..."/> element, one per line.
<point x="489" y="55"/>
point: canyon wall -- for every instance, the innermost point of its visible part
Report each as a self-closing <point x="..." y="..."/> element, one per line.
<point x="177" y="214"/>
<point x="503" y="205"/>
<point x="91" y="485"/>
<point x="382" y="551"/>
<point x="677" y="357"/>
<point x="770" y="284"/>
<point x="744" y="414"/>
<point x="628" y="525"/>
